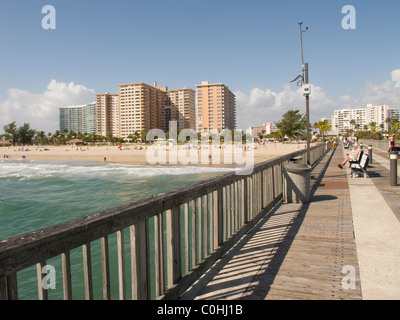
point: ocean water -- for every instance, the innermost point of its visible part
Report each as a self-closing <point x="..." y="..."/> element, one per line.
<point x="37" y="194"/>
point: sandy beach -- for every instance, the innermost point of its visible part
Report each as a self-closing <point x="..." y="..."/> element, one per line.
<point x="130" y="154"/>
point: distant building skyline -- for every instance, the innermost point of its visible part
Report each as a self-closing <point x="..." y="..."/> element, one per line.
<point x="135" y="108"/>
<point x="266" y="128"/>
<point x="341" y="119"/>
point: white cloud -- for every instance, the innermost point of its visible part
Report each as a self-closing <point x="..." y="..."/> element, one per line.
<point x="42" y="110"/>
<point x="387" y="93"/>
<point x="255" y="108"/>
<point x="262" y="106"/>
<point x="396" y="77"/>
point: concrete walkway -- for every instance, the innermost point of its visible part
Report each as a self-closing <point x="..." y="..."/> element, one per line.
<point x="377" y="231"/>
<point x="344" y="244"/>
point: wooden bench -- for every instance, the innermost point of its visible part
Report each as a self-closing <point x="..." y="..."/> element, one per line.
<point x="360" y="167"/>
<point x="358" y="158"/>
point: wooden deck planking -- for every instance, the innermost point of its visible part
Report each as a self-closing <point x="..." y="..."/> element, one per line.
<point x="296" y="253"/>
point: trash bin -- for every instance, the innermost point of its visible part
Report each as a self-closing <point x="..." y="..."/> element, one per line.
<point x="296" y="182"/>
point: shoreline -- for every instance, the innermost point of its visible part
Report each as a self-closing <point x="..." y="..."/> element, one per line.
<point x="131" y="156"/>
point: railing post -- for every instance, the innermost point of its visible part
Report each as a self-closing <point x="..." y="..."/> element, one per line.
<point x="199" y="214"/>
<point x="205" y="224"/>
<point x="121" y="265"/>
<point x="66" y="272"/>
<point x="220" y="228"/>
<point x="173" y="246"/>
<point x="105" y="267"/>
<point x="140" y="259"/>
<point x="186" y="233"/>
<point x="3" y="288"/>
<point x="42" y="293"/>
<point x="245" y="200"/>
<point x="12" y="287"/>
<point x="393" y="169"/>
<point x="215" y="243"/>
<point x="87" y="271"/>
<point x="159" y="258"/>
<point x="194" y="232"/>
<point x="370" y="153"/>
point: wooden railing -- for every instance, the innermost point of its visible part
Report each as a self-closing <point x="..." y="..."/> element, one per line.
<point x="192" y="227"/>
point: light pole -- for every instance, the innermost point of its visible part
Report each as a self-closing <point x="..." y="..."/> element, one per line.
<point x="306" y="90"/>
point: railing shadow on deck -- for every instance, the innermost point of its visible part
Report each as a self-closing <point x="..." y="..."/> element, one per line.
<point x="275" y="234"/>
<point x="169" y="239"/>
<point x="284" y="245"/>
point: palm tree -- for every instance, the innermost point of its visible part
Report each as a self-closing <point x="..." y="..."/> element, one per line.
<point x="372" y="125"/>
<point x="323" y="127"/>
<point x="353" y="123"/>
<point x="388" y="121"/>
<point x="396" y="126"/>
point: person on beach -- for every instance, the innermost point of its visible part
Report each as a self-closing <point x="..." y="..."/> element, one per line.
<point x="353" y="155"/>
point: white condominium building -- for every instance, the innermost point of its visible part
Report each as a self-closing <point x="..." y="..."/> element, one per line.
<point x="342" y="119"/>
<point x="80" y="118"/>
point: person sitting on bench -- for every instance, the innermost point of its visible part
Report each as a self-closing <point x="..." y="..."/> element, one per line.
<point x="353" y="155"/>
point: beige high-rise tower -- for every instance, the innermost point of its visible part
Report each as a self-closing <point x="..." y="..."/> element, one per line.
<point x="107" y="114"/>
<point x="216" y="107"/>
<point x="181" y="107"/>
<point x="140" y="107"/>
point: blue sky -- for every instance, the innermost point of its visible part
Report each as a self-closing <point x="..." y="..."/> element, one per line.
<point x="252" y="46"/>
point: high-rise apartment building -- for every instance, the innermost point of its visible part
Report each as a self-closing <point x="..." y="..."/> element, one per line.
<point x="342" y="119"/>
<point x="78" y="118"/>
<point x="181" y="107"/>
<point x="140" y="107"/>
<point x="107" y="114"/>
<point x="216" y="107"/>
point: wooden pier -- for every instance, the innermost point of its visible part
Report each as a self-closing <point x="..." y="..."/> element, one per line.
<point x="298" y="251"/>
<point x="191" y="229"/>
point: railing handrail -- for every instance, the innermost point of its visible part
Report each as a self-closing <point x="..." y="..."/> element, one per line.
<point x="25" y="250"/>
